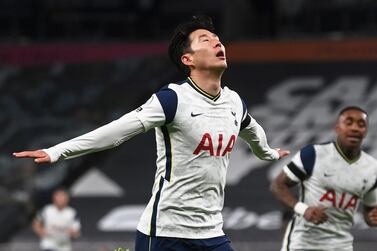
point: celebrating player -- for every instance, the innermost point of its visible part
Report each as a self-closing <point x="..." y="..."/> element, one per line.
<point x="197" y="123"/>
<point x="334" y="177"/>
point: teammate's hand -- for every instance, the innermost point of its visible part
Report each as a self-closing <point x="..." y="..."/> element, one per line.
<point x="39" y="156"/>
<point x="372" y="216"/>
<point x="73" y="233"/>
<point x="316" y="215"/>
<point x="282" y="153"/>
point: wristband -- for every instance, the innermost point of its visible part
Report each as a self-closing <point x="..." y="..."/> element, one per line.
<point x="300" y="208"/>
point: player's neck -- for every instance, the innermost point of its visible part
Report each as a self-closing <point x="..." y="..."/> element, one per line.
<point x="60" y="207"/>
<point x="209" y="82"/>
<point x="350" y="153"/>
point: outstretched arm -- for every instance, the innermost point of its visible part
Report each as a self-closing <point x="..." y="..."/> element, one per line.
<point x="280" y="187"/>
<point x="38" y="228"/>
<point x="157" y="111"/>
<point x="102" y="138"/>
<point x="255" y="136"/>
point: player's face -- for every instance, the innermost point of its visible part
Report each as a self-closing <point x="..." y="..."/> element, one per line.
<point x="60" y="199"/>
<point x="351" y="128"/>
<point x="207" y="52"/>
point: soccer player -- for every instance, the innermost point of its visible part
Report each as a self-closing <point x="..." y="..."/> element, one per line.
<point x="57" y="224"/>
<point x="334" y="178"/>
<point x="197" y="122"/>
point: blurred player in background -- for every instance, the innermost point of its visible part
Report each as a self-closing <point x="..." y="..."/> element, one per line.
<point x="57" y="224"/>
<point x="197" y="122"/>
<point x="334" y="177"/>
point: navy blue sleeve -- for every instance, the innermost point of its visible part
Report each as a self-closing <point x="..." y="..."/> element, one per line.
<point x="374" y="186"/>
<point x="169" y="101"/>
<point x="246" y="121"/>
<point x="307" y="156"/>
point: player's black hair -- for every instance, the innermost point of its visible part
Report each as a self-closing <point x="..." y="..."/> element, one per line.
<point x="347" y="108"/>
<point x="180" y="42"/>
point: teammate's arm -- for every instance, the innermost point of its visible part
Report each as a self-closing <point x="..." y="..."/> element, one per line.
<point x="280" y="187"/>
<point x="38" y="228"/>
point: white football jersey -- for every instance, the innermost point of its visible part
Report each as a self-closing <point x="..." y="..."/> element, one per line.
<point x="57" y="223"/>
<point x="195" y="134"/>
<point x="193" y="151"/>
<point x="329" y="179"/>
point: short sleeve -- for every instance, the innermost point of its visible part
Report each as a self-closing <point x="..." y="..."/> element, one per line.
<point x="301" y="166"/>
<point x="159" y="110"/>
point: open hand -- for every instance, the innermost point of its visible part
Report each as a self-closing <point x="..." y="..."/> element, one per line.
<point x="39" y="156"/>
<point x="282" y="153"/>
<point x="372" y="216"/>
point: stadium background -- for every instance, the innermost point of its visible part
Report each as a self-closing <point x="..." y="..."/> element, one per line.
<point x="70" y="66"/>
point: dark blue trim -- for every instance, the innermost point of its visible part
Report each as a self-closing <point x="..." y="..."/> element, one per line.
<point x="296" y="171"/>
<point x="307" y="155"/>
<point x="290" y="232"/>
<point x="247" y="119"/>
<point x="244" y="108"/>
<point x="245" y="122"/>
<point x="168" y="155"/>
<point x="324" y="143"/>
<point x="181" y="82"/>
<point x="302" y="192"/>
<point x="201" y="91"/>
<point x="373" y="187"/>
<point x="169" y="101"/>
<point x="155" y="205"/>
<point x="145" y="242"/>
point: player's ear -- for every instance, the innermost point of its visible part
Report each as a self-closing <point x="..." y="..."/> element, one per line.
<point x="187" y="59"/>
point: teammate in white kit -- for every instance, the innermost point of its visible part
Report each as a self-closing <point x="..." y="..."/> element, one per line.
<point x="334" y="178"/>
<point x="197" y="123"/>
<point x="57" y="224"/>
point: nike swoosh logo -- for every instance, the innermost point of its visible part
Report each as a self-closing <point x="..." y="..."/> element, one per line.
<point x="233" y="113"/>
<point x="328" y="175"/>
<point x="195" y="114"/>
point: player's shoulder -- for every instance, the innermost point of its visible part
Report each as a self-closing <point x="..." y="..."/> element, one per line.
<point x="234" y="96"/>
<point x="172" y="90"/>
<point x="176" y="86"/>
<point x="369" y="159"/>
<point x="227" y="91"/>
<point x="314" y="150"/>
<point x="49" y="207"/>
<point x="324" y="146"/>
<point x="71" y="210"/>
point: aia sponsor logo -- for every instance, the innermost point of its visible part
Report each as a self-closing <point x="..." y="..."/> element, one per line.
<point x="343" y="200"/>
<point x="206" y="145"/>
